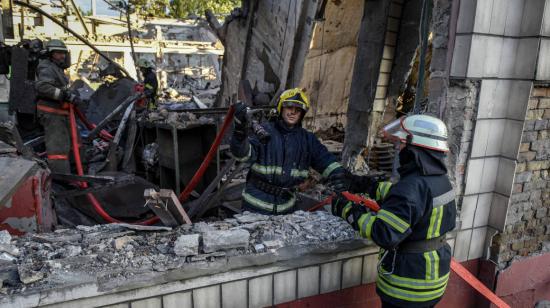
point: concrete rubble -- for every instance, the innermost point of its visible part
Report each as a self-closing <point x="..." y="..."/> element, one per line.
<point x="119" y="251"/>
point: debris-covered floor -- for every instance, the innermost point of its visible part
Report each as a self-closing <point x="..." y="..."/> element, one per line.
<point x="116" y="253"/>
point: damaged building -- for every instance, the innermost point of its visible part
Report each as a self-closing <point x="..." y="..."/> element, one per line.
<point x="177" y="236"/>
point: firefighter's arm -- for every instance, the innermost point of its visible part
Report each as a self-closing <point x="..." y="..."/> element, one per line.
<point x="392" y="224"/>
<point x="322" y="160"/>
<point x="45" y="84"/>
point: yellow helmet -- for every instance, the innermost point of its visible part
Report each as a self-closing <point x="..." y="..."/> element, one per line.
<point x="293" y="98"/>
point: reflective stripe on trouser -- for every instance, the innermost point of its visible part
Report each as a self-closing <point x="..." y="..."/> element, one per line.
<point x="267" y="206"/>
<point x="412" y="290"/>
<point x="57" y="138"/>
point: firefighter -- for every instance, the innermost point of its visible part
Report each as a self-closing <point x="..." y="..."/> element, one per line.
<point x="150" y="81"/>
<point x="53" y="95"/>
<point x="415" y="215"/>
<point x="283" y="162"/>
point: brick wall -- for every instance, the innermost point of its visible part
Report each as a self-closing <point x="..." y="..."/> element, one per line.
<point x="527" y="229"/>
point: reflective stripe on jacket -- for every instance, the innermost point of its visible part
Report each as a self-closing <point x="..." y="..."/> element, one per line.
<point x="283" y="161"/>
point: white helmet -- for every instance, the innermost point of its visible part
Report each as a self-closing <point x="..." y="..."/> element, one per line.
<point x="420" y="130"/>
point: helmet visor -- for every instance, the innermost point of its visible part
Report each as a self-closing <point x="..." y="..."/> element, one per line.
<point x="394" y="131"/>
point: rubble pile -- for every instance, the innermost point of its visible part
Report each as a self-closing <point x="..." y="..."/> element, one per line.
<point x="120" y="251"/>
<point x="180" y="120"/>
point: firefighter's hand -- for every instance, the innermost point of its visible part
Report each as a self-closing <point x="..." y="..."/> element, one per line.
<point x="357" y="210"/>
<point x="341" y="206"/>
<point x="240" y="131"/>
<point x="240" y="115"/>
<point x="338" y="181"/>
<point x="73" y="98"/>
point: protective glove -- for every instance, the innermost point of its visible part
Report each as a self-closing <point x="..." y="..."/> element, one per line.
<point x="366" y="183"/>
<point x="349" y="211"/>
<point x="240" y="115"/>
<point x="338" y="181"/>
<point x="240" y="130"/>
<point x="72" y="98"/>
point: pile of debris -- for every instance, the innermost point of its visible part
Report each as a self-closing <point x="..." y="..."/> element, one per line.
<point x="180" y="120"/>
<point x="121" y="251"/>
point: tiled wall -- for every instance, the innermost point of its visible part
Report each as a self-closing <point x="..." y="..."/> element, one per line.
<point x="497" y="42"/>
<point x="271" y="288"/>
<point x="383" y="83"/>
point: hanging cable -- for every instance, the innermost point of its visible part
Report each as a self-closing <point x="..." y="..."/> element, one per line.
<point x="423" y="40"/>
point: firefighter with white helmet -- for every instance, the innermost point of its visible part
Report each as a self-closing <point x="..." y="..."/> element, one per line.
<point x="283" y="162"/>
<point x="415" y="215"/>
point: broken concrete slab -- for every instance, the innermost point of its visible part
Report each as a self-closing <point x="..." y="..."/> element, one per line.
<point x="223" y="240"/>
<point x="248" y="217"/>
<point x="142" y="228"/>
<point x="187" y="245"/>
<point x="29" y="275"/>
<point x="5" y="237"/>
<point x="119" y="242"/>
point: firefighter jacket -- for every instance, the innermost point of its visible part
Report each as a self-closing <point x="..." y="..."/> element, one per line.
<point x="419" y="207"/>
<point x="51" y="83"/>
<point x="150" y="84"/>
<point x="284" y="162"/>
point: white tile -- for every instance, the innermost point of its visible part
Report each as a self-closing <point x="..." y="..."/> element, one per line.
<point x="508" y="57"/>
<point x="477" y="244"/>
<point x="260" y="291"/>
<point x="483" y="208"/>
<point x="473" y="176"/>
<point x="466" y="15"/>
<point x="381" y="92"/>
<point x="154" y="302"/>
<point x="384" y="79"/>
<point x="518" y="99"/>
<point x="476" y="63"/>
<point x="512" y="137"/>
<point x="483" y="15"/>
<point x="369" y="268"/>
<point x="176" y="300"/>
<point x="208" y="297"/>
<point x="499" y="209"/>
<point x="234" y="294"/>
<point x="467" y="211"/>
<point x="532" y="17"/>
<point x="284" y="287"/>
<point x="331" y="276"/>
<point x="493" y="98"/>
<point x="351" y="272"/>
<point x="546" y="21"/>
<point x="461" y="54"/>
<point x="451" y="243"/>
<point x="489" y="177"/>
<point x="492" y="56"/>
<point x="506" y="171"/>
<point x="125" y="305"/>
<point x="462" y="245"/>
<point x="514" y="15"/>
<point x="488" y="136"/>
<point x="526" y="58"/>
<point x="498" y="17"/>
<point x="494" y="143"/>
<point x="308" y="281"/>
<point x="543" y="65"/>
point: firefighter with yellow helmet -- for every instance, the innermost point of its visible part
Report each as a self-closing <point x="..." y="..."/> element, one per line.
<point x="282" y="163"/>
<point x="416" y="213"/>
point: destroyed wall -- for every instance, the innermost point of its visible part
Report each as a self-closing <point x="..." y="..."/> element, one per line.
<point x="185" y="53"/>
<point x="329" y="64"/>
<point x="265" y="43"/>
<point x="527" y="230"/>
